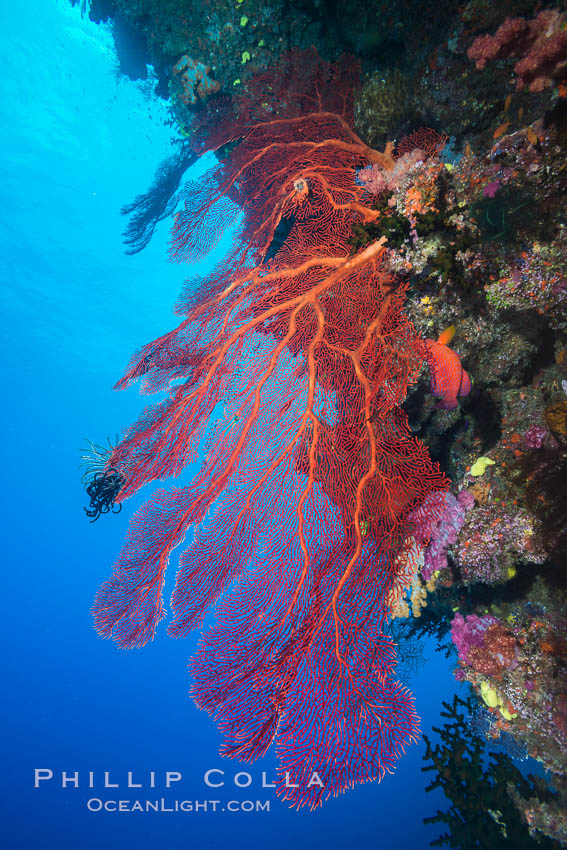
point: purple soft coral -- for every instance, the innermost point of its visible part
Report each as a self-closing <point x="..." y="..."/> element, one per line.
<point x="467" y="632"/>
<point x="437" y="523"/>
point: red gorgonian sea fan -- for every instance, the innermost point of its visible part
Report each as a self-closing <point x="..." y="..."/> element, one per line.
<point x="306" y="483"/>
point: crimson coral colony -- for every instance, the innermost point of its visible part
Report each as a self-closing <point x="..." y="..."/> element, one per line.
<point x="300" y="508"/>
<point x="373" y="383"/>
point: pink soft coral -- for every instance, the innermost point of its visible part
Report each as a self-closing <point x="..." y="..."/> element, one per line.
<point x="539" y="45"/>
<point x="377" y="180"/>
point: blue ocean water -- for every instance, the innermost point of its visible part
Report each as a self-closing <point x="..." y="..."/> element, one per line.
<point x="78" y="142"/>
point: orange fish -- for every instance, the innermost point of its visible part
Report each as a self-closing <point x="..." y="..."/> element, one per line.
<point x="447" y="335"/>
<point x="532" y="136"/>
<point x="449" y="381"/>
<point x="500" y="130"/>
<point x="507" y="102"/>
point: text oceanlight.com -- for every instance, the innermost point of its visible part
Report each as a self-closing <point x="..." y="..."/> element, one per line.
<point x="95" y="804"/>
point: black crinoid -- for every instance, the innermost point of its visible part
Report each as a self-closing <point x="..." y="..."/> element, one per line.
<point x="102" y="481"/>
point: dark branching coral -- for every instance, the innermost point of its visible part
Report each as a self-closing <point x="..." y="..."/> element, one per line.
<point x="409" y="647"/>
<point x="435" y="619"/>
<point x="158" y="202"/>
<point x="479" y="785"/>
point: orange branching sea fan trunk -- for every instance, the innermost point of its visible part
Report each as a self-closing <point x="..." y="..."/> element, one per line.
<point x="300" y="509"/>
